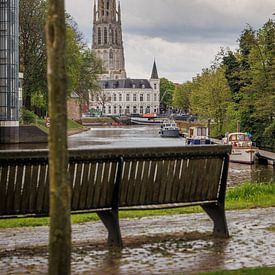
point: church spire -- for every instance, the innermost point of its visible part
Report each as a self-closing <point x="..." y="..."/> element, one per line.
<point x="107" y="38"/>
<point x="154" y="74"/>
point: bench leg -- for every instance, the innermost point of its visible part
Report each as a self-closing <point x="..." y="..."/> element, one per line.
<point x="217" y="214"/>
<point x="111" y="222"/>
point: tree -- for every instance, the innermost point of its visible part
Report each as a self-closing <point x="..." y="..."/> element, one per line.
<point x="210" y="98"/>
<point x="32" y="17"/>
<point x="90" y="67"/>
<point x="166" y="93"/>
<point x="60" y="192"/>
<point x="181" y="96"/>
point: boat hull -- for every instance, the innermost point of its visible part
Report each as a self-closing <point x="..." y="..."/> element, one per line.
<point x="170" y="133"/>
<point x="145" y="121"/>
<point x="243" y="155"/>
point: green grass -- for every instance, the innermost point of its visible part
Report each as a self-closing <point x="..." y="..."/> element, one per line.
<point x="71" y="124"/>
<point x="247" y="195"/>
<point x="244" y="271"/>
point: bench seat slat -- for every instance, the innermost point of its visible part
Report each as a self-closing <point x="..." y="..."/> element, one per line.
<point x="98" y="184"/>
<point x="131" y="184"/>
<point x="33" y="188"/>
<point x="168" y="191"/>
<point x="145" y="180"/>
<point x="124" y="182"/>
<point x="176" y="181"/>
<point x="11" y="188"/>
<point x="41" y="188"/>
<point x="91" y="186"/>
<point x="105" y="185"/>
<point x="46" y="200"/>
<point x="3" y="187"/>
<point x="138" y="183"/>
<point x="77" y="186"/>
<point x="162" y="178"/>
<point x="84" y="186"/>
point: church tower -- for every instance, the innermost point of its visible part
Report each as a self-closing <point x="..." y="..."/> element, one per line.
<point x="107" y="39"/>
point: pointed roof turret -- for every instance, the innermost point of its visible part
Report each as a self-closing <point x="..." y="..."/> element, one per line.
<point x="154" y="74"/>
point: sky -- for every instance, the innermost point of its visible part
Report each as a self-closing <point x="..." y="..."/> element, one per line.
<point x="183" y="36"/>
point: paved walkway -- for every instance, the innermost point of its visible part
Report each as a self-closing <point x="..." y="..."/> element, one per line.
<point x="153" y="245"/>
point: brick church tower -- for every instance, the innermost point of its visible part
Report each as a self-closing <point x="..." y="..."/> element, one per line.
<point x="107" y="39"/>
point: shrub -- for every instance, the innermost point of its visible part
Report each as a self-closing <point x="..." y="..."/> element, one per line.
<point x="27" y="116"/>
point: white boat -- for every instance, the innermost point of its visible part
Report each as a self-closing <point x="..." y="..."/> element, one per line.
<point x="198" y="135"/>
<point x="146" y="121"/>
<point x="243" y="150"/>
<point x="169" y="129"/>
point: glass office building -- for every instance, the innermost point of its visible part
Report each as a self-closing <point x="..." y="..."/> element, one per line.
<point x="9" y="68"/>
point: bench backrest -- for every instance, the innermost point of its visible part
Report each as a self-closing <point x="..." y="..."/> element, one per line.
<point x="105" y="178"/>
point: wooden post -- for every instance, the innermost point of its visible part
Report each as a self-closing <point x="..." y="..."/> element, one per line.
<point x="60" y="193"/>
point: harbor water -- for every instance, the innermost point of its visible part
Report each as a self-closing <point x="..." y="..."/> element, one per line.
<point x="143" y="136"/>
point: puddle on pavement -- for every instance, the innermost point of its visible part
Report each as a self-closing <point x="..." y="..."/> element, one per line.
<point x="191" y="248"/>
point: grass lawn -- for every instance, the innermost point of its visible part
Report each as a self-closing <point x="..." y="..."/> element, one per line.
<point x="71" y="124"/>
<point x="247" y="195"/>
<point x="244" y="271"/>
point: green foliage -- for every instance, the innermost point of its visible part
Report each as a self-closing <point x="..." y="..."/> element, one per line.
<point x="90" y="67"/>
<point x="27" y="117"/>
<point x="250" y="191"/>
<point x="166" y="93"/>
<point x="211" y="97"/>
<point x="181" y="97"/>
<point x="71" y="124"/>
<point x="243" y="271"/>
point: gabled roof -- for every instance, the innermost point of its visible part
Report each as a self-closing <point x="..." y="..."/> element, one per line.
<point x="127" y="83"/>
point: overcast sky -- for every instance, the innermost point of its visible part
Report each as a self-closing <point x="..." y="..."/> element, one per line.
<point x="182" y="35"/>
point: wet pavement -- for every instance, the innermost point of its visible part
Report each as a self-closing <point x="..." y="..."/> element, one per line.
<point x="152" y="245"/>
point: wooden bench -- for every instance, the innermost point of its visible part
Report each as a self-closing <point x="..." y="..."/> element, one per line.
<point x="108" y="180"/>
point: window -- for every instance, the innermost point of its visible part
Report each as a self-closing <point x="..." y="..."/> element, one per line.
<point x="141" y="97"/>
<point x="109" y="109"/>
<point x="115" y="110"/>
<point x="105" y="36"/>
<point x="135" y="109"/>
<point x="127" y="111"/>
<point x="148" y="97"/>
<point x="148" y="110"/>
<point x="127" y="97"/>
<point x="155" y="97"/>
<point x="120" y="110"/>
<point x="114" y="97"/>
<point x="116" y="38"/>
<point x="134" y="97"/>
<point x="120" y="97"/>
<point x="142" y="86"/>
<point x="99" y="36"/>
<point x="141" y="109"/>
<point x="155" y="86"/>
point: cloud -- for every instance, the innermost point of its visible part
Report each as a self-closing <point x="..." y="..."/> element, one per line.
<point x="183" y="35"/>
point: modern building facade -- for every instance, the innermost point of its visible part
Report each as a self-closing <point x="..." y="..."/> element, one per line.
<point x="119" y="95"/>
<point x="9" y="70"/>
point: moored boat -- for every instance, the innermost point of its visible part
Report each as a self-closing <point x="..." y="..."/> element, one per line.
<point x="169" y="129"/>
<point x="146" y="121"/>
<point x="198" y="135"/>
<point x="243" y="150"/>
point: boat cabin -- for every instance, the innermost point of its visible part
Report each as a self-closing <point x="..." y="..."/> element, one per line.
<point x="238" y="139"/>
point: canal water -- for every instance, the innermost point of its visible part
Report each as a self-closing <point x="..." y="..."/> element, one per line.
<point x="142" y="136"/>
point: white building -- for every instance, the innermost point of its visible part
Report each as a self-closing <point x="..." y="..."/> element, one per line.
<point x="128" y="96"/>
